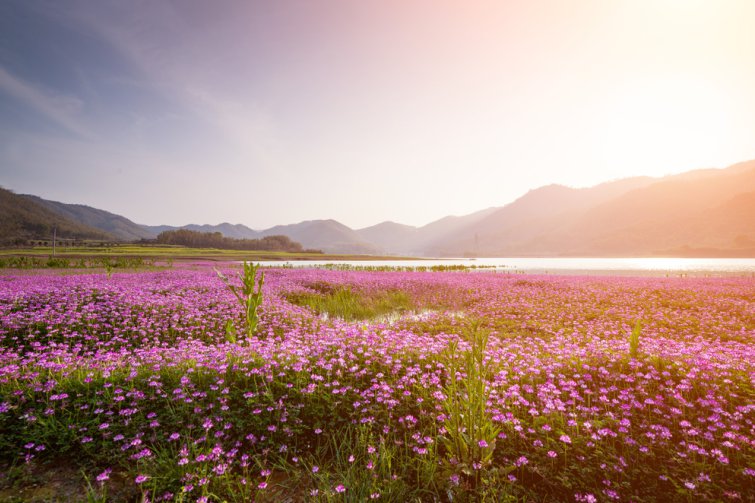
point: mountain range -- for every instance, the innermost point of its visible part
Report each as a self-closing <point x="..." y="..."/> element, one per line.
<point x="708" y="212"/>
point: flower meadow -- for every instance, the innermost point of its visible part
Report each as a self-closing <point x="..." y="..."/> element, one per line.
<point x="420" y="386"/>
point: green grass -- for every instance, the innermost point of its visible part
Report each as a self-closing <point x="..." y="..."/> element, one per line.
<point x="634" y="340"/>
<point x="178" y="253"/>
<point x="346" y="303"/>
<point x="109" y="263"/>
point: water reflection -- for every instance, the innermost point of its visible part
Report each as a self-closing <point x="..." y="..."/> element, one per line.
<point x="644" y="266"/>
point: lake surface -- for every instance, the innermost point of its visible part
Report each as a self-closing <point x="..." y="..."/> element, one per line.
<point x="611" y="266"/>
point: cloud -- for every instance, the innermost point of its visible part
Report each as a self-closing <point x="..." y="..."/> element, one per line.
<point x="60" y="109"/>
<point x="166" y="54"/>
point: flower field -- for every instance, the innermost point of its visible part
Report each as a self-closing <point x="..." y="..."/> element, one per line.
<point x="394" y="386"/>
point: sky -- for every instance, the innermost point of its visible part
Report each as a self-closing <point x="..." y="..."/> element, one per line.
<point x="273" y="112"/>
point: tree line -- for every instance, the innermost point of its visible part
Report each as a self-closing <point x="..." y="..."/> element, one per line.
<point x="196" y="239"/>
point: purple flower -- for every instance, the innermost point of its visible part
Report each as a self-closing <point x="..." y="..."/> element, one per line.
<point x="102" y="477"/>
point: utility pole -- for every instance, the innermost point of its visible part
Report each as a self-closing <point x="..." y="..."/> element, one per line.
<point x="54" y="235"/>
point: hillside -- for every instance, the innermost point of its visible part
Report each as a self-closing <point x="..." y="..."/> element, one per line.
<point x="388" y="237"/>
<point x="329" y="236"/>
<point x="120" y="227"/>
<point x="709" y="212"/>
<point x="24" y="219"/>
<point x="709" y="209"/>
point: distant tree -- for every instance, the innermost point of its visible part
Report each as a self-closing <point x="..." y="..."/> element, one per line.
<point x="195" y="239"/>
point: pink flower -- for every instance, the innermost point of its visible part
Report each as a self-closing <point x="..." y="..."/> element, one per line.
<point x="102" y="477"/>
<point x="340" y="488"/>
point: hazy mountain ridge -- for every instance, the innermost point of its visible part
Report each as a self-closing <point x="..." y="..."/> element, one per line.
<point x="25" y="218"/>
<point x="395" y="238"/>
<point x="699" y="209"/>
<point x="329" y="236"/>
<point x="706" y="209"/>
<point x="115" y="225"/>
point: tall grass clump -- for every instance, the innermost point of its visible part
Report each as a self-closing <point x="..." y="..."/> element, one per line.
<point x="471" y="434"/>
<point x="349" y="304"/>
<point x="634" y="340"/>
<point x="249" y="295"/>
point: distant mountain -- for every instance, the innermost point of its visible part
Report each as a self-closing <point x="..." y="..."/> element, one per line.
<point x="326" y="235"/>
<point x="120" y="227"/>
<point x="23" y="218"/>
<point x="447" y="226"/>
<point x="705" y="212"/>
<point x="704" y="209"/>
<point x="543" y="210"/>
<point x="389" y="237"/>
<point x="329" y="236"/>
<point x="394" y="238"/>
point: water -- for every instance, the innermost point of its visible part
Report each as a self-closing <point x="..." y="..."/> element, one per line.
<point x="609" y="266"/>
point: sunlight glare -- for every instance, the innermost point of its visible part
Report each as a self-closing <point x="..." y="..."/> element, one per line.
<point x="663" y="123"/>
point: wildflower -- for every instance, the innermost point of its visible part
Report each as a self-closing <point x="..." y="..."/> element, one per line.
<point x="340" y="488"/>
<point x="141" y="479"/>
<point x="552" y="454"/>
<point x="565" y="439"/>
<point x="102" y="477"/>
<point x="482" y="444"/>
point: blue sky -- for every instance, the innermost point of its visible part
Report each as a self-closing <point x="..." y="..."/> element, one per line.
<point x="268" y="113"/>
